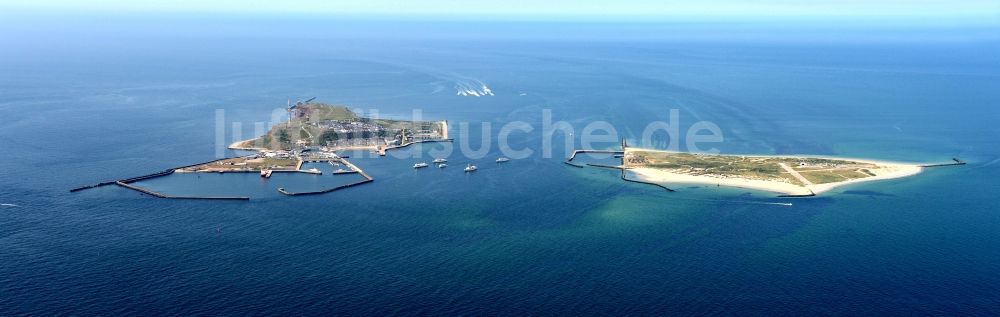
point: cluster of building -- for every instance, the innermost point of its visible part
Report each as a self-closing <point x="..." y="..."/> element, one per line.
<point x="277" y="154"/>
<point x="310" y="152"/>
<point x="350" y="126"/>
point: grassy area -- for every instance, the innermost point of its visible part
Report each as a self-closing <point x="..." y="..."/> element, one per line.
<point x="317" y="112"/>
<point x="272" y="163"/>
<point x="835" y="175"/>
<point x="240" y="163"/>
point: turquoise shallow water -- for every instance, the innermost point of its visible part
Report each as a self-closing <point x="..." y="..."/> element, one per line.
<point x="529" y="236"/>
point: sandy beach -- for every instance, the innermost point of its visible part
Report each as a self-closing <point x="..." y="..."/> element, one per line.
<point x="245" y="145"/>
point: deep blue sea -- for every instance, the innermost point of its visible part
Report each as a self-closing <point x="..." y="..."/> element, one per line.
<point x="90" y="99"/>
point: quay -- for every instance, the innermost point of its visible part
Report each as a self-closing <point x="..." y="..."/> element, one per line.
<point x="354" y="169"/>
<point x="381" y="149"/>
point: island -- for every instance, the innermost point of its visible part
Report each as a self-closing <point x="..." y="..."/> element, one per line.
<point x="786" y="175"/>
<point x="314" y="132"/>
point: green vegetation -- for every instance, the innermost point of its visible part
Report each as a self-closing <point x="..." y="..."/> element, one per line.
<point x="283" y="136"/>
<point x="319" y="112"/>
<point x="319" y="123"/>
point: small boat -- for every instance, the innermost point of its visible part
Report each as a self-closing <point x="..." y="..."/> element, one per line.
<point x="442" y="165"/>
<point x="502" y="160"/>
<point x="420" y="165"/>
<point x="314" y="171"/>
<point x="440" y="160"/>
<point x="265" y="173"/>
<point x="341" y="171"/>
<point x="470" y="168"/>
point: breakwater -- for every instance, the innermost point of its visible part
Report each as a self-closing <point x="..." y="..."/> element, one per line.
<point x="810" y="194"/>
<point x="161" y="195"/>
<point x="605" y="166"/>
<point x="354" y="169"/>
<point x="364" y="181"/>
<point x="126" y="183"/>
<point x="573" y="164"/>
<point x="955" y="163"/>
<point x="91" y="186"/>
<point x="624" y="178"/>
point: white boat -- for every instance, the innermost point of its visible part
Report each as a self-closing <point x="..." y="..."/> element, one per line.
<point x="314" y="171"/>
<point x="502" y="160"/>
<point x="265" y="173"/>
<point x="420" y="165"/>
<point x="442" y="165"/>
<point x="440" y="160"/>
<point x="470" y="168"/>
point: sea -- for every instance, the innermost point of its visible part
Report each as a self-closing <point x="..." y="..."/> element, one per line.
<point x="88" y="98"/>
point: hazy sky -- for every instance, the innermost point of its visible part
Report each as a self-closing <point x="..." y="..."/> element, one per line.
<point x="750" y="9"/>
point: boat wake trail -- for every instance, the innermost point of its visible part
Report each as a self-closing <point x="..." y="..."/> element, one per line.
<point x="472" y="88"/>
<point x="9" y="205"/>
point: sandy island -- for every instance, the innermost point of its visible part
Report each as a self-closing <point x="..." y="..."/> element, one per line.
<point x="882" y="171"/>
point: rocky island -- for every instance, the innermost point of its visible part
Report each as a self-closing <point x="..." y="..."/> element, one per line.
<point x="321" y="125"/>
